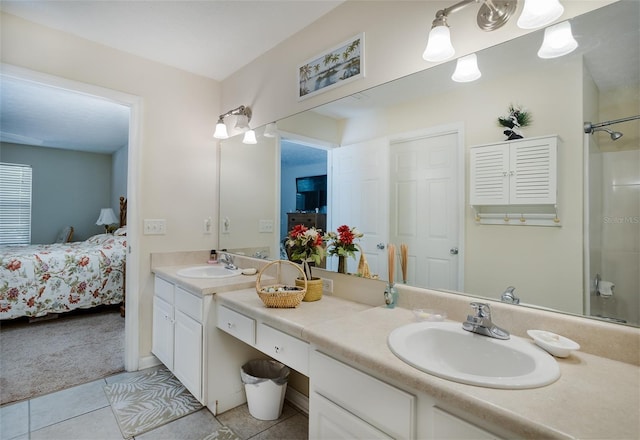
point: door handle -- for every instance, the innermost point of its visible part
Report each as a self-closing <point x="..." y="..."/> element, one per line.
<point x="380" y="246"/>
<point x="453" y="251"/>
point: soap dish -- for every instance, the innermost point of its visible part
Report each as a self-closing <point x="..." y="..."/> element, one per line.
<point x="429" y="315"/>
<point x="557" y="345"/>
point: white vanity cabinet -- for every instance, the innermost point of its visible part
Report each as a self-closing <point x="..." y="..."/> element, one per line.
<point x="178" y="334"/>
<point x="519" y="172"/>
<point x="277" y="344"/>
<point x="347" y="403"/>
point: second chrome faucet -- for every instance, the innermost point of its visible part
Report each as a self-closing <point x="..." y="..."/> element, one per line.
<point x="480" y="322"/>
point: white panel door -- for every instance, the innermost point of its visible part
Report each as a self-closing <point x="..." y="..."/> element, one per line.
<point x="424" y="206"/>
<point x="359" y="197"/>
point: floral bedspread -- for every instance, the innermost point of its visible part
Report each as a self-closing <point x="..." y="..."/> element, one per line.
<point x="53" y="278"/>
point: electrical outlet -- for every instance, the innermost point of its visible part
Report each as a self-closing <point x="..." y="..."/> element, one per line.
<point x="327" y="285"/>
<point x="155" y="226"/>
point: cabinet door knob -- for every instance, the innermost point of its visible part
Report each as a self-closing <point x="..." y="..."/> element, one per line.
<point x="453" y="251"/>
<point x="229" y="325"/>
<point x="277" y="349"/>
<point x="380" y="246"/>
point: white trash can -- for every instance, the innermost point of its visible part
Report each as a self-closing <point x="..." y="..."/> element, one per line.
<point x="265" y="383"/>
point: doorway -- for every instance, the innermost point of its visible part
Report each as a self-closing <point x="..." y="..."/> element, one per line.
<point x="134" y="103"/>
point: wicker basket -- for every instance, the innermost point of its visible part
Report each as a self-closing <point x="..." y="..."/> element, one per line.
<point x="280" y="295"/>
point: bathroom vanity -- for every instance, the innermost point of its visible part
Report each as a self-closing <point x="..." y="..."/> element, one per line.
<point x="359" y="389"/>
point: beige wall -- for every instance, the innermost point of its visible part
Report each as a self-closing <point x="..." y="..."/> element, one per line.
<point x="178" y="170"/>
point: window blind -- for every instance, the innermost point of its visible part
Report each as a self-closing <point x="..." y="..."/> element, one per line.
<point x="15" y="203"/>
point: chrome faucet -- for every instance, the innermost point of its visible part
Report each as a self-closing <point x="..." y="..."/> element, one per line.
<point x="227" y="260"/>
<point x="481" y="324"/>
<point x="509" y="297"/>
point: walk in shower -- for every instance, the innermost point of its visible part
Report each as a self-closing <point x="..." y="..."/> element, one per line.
<point x="613" y="218"/>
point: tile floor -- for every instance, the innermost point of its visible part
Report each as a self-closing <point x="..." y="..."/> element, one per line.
<point x="83" y="413"/>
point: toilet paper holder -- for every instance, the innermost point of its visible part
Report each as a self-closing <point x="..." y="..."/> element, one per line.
<point x="608" y="286"/>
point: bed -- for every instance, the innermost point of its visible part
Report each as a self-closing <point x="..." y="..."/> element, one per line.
<point x="37" y="280"/>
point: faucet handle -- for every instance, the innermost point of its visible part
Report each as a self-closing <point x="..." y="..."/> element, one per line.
<point x="482" y="310"/>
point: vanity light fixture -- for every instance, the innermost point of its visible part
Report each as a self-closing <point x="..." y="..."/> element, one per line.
<point x="538" y="13"/>
<point x="221" y="127"/>
<point x="467" y="69"/>
<point x="249" y="137"/>
<point x="271" y="130"/>
<point x="492" y="15"/>
<point x="558" y="41"/>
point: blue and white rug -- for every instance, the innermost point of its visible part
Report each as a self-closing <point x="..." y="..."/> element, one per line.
<point x="145" y="402"/>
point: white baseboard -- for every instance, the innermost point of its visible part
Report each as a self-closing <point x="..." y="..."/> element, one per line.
<point x="297" y="399"/>
<point x="148" y="362"/>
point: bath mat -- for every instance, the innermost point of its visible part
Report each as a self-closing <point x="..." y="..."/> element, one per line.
<point x="148" y="401"/>
<point x="223" y="433"/>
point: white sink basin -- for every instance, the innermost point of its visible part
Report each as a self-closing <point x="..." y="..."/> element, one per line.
<point x="445" y="350"/>
<point x="208" y="272"/>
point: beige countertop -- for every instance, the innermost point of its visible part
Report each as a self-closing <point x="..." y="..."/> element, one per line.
<point x="595" y="397"/>
<point x="204" y="286"/>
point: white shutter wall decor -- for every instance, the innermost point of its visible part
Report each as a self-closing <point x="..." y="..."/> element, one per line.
<point x="15" y="204"/>
<point x="515" y="182"/>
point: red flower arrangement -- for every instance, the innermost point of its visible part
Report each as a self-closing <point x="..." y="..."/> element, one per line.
<point x="307" y="245"/>
<point x="342" y="242"/>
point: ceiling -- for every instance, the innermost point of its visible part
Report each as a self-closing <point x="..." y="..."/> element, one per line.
<point x="211" y="38"/>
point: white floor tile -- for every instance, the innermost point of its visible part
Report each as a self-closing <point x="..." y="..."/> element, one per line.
<point x="66" y="404"/>
<point x="14" y="420"/>
<point x="96" y="425"/>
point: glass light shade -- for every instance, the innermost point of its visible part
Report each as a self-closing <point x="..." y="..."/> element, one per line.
<point x="467" y="69"/>
<point x="242" y="122"/>
<point x="221" y="131"/>
<point x="271" y="130"/>
<point x="439" y="46"/>
<point x="558" y="41"/>
<point x="249" y="137"/>
<point x="107" y="217"/>
<point x="538" y="13"/>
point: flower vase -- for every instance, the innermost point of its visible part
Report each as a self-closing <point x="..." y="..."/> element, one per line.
<point x="390" y="295"/>
<point x="342" y="264"/>
<point x="314" y="288"/>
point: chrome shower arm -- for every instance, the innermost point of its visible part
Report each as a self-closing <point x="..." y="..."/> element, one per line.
<point x="589" y="127"/>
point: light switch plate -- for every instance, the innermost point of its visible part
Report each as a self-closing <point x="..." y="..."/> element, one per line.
<point x="155" y="226"/>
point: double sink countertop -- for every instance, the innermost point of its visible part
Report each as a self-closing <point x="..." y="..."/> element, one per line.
<point x="595" y="397"/>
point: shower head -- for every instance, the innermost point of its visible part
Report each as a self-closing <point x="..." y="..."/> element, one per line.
<point x="615" y="135"/>
<point x="589" y="128"/>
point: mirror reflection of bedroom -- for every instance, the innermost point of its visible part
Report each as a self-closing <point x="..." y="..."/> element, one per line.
<point x="63" y="186"/>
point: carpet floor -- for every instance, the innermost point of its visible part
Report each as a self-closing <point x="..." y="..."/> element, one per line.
<point x="148" y="401"/>
<point x="46" y="356"/>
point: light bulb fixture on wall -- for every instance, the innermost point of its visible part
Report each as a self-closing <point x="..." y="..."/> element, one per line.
<point x="558" y="41"/>
<point x="249" y="137"/>
<point x="271" y="130"/>
<point x="467" y="69"/>
<point x="538" y="13"/>
<point x="492" y="15"/>
<point x="221" y="127"/>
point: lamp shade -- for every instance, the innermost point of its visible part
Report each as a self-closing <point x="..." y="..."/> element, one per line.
<point x="249" y="137"/>
<point x="271" y="130"/>
<point x="439" y="47"/>
<point x="558" y="41"/>
<point x="467" y="69"/>
<point x="538" y="13"/>
<point x="107" y="217"/>
<point x="221" y="131"/>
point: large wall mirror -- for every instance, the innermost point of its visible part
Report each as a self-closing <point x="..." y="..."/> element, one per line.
<point x="568" y="267"/>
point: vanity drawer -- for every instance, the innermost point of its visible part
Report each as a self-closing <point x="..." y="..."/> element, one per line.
<point x="285" y="348"/>
<point x="236" y="324"/>
<point x="392" y="411"/>
<point x="163" y="289"/>
<point x="189" y="304"/>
